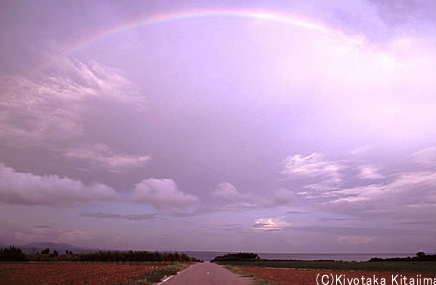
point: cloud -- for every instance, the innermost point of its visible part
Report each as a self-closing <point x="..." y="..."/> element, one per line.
<point x="425" y="157"/>
<point x="360" y="151"/>
<point x="37" y="233"/>
<point x="227" y="193"/>
<point x="229" y="199"/>
<point x="52" y="110"/>
<point x="130" y="217"/>
<point x="355" y="240"/>
<point x="270" y="224"/>
<point x="73" y="236"/>
<point x="285" y="197"/>
<point x="101" y="155"/>
<point x="29" y="189"/>
<point x="313" y="166"/>
<point x="369" y="172"/>
<point x="75" y="80"/>
<point x="46" y="233"/>
<point x="37" y="114"/>
<point x="410" y="194"/>
<point x="397" y="195"/>
<point x="161" y="193"/>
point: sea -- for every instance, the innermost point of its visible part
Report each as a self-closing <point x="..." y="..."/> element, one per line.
<point x="207" y="256"/>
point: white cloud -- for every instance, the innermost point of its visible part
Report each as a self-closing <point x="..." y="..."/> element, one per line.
<point x="37" y="233"/>
<point x="75" y="80"/>
<point x="405" y="194"/>
<point x="161" y="193"/>
<point x="50" y="110"/>
<point x="324" y="186"/>
<point x="227" y="193"/>
<point x="313" y="166"/>
<point x="31" y="189"/>
<point x="46" y="233"/>
<point x="369" y="172"/>
<point x="73" y="236"/>
<point x="410" y="194"/>
<point x="355" y="240"/>
<point x="270" y="224"/>
<point x="360" y="151"/>
<point x="426" y="156"/>
<point x="36" y="114"/>
<point x="229" y="198"/>
<point x="102" y="155"/>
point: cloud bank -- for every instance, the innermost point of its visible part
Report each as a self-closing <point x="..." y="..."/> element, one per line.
<point x="29" y="189"/>
<point x="18" y="188"/>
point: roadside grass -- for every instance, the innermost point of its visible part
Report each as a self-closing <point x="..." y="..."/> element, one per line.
<point x="156" y="275"/>
<point x="375" y="266"/>
<point x="238" y="271"/>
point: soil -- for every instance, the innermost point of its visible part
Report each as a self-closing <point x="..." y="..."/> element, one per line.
<point x="68" y="273"/>
<point x="287" y="276"/>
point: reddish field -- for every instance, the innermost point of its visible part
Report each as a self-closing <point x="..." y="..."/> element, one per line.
<point x="70" y="273"/>
<point x="287" y="276"/>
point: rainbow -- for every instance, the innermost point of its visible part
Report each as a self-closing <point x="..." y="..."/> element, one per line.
<point x="253" y="14"/>
<point x="263" y="15"/>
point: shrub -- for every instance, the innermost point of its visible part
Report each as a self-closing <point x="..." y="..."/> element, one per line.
<point x="241" y="256"/>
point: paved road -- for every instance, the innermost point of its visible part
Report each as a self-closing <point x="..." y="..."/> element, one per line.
<point x="207" y="274"/>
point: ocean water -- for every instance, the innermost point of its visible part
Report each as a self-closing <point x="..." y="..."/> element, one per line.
<point x="207" y="256"/>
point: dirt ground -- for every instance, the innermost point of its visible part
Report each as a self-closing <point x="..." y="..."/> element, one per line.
<point x="68" y="273"/>
<point x="287" y="276"/>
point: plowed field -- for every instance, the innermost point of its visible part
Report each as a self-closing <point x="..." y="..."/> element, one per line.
<point x="287" y="276"/>
<point x="70" y="273"/>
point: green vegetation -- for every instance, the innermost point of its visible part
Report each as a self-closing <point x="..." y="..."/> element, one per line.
<point x="12" y="254"/>
<point x="16" y="254"/>
<point x="393" y="266"/>
<point x="45" y="251"/>
<point x="420" y="256"/>
<point x="421" y="263"/>
<point x="157" y="274"/>
<point x="133" y="256"/>
<point x="238" y="271"/>
<point x="241" y="256"/>
<point x="257" y="281"/>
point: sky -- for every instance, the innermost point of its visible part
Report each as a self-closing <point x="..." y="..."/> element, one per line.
<point x="264" y="126"/>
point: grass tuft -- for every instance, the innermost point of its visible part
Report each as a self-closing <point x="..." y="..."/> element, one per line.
<point x="257" y="281"/>
<point x="157" y="274"/>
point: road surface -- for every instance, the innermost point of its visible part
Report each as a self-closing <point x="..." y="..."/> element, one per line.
<point x="207" y="274"/>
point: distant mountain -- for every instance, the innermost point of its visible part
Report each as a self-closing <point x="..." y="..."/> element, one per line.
<point x="59" y="247"/>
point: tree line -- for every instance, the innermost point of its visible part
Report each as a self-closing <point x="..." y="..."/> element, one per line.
<point x="16" y="254"/>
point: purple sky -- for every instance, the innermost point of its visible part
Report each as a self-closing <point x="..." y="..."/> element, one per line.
<point x="281" y="126"/>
